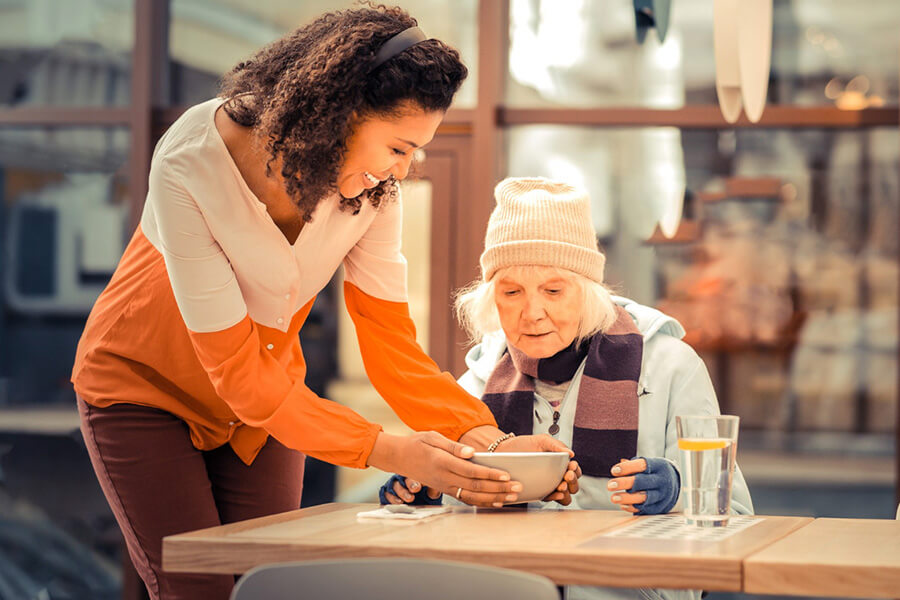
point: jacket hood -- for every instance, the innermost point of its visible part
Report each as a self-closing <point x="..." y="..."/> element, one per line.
<point x="483" y="357"/>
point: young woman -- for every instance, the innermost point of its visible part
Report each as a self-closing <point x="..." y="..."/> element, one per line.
<point x="189" y="374"/>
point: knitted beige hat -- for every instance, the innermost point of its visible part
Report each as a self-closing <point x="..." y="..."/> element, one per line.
<point x="541" y="222"/>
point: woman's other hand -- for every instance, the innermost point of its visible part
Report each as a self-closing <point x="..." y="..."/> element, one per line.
<point x="645" y="486"/>
<point x="567" y="487"/>
<point x="402" y="490"/>
<point x="442" y="464"/>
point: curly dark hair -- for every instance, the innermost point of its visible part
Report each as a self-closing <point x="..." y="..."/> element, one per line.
<point x="302" y="93"/>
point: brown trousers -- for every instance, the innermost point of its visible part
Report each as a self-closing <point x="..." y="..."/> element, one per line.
<point x="158" y="484"/>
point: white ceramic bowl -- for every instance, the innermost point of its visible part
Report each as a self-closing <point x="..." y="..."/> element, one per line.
<point x="538" y="472"/>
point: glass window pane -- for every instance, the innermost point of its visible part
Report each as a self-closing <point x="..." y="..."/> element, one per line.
<point x="207" y="38"/>
<point x="64" y="215"/>
<point x="65" y="52"/>
<point x="790" y="289"/>
<point x="586" y="54"/>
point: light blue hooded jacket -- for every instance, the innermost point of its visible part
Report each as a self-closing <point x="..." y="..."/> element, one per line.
<point x="673" y="381"/>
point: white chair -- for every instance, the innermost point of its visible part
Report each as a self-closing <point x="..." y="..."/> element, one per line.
<point x="390" y="579"/>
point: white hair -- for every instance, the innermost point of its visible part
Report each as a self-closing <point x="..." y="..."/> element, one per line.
<point x="477" y="311"/>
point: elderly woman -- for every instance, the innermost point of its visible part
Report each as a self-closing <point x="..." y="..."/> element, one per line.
<point x="558" y="354"/>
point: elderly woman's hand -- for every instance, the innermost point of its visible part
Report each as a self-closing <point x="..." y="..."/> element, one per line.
<point x="403" y="490"/>
<point x="546" y="443"/>
<point x="645" y="486"/>
<point x="567" y="487"/>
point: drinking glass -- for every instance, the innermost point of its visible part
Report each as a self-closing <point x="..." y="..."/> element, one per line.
<point x="707" y="446"/>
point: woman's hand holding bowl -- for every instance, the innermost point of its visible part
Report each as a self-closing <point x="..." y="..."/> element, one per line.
<point x="430" y="459"/>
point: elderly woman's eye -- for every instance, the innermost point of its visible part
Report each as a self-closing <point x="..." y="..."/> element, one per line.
<point x="553" y="291"/>
<point x="398" y="151"/>
<point x="510" y="292"/>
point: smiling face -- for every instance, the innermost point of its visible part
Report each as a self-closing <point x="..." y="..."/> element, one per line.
<point x="540" y="310"/>
<point x="383" y="146"/>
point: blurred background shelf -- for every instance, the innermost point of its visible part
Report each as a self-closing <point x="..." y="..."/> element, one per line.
<point x="702" y="117"/>
<point x="800" y="469"/>
<point x="39" y="420"/>
<point x="820" y="443"/>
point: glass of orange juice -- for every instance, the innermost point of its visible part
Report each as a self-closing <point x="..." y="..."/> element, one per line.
<point x="707" y="446"/>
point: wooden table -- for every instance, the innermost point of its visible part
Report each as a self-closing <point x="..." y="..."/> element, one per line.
<point x="830" y="557"/>
<point x="564" y="545"/>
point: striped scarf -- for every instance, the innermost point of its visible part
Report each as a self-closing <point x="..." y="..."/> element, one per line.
<point x="606" y="417"/>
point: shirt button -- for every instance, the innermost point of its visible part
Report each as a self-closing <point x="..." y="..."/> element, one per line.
<point x="232" y="423"/>
<point x="287" y="296"/>
<point x="279" y="320"/>
<point x="270" y="346"/>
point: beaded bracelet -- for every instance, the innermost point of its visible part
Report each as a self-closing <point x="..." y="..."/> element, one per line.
<point x="500" y="439"/>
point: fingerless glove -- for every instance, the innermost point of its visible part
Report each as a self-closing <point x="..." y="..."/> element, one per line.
<point x="419" y="498"/>
<point x="662" y="484"/>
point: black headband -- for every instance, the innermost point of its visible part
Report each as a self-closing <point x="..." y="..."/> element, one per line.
<point x="397" y="44"/>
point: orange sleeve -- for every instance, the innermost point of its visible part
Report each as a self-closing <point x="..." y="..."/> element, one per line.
<point x="422" y="396"/>
<point x="262" y="394"/>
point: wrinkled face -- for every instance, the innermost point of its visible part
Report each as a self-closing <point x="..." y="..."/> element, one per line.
<point x="540" y="310"/>
<point x="383" y="146"/>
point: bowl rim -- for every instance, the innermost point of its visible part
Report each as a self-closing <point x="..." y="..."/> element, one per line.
<point x="520" y="454"/>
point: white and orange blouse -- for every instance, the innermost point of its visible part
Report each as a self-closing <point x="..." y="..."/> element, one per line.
<point x="203" y="313"/>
